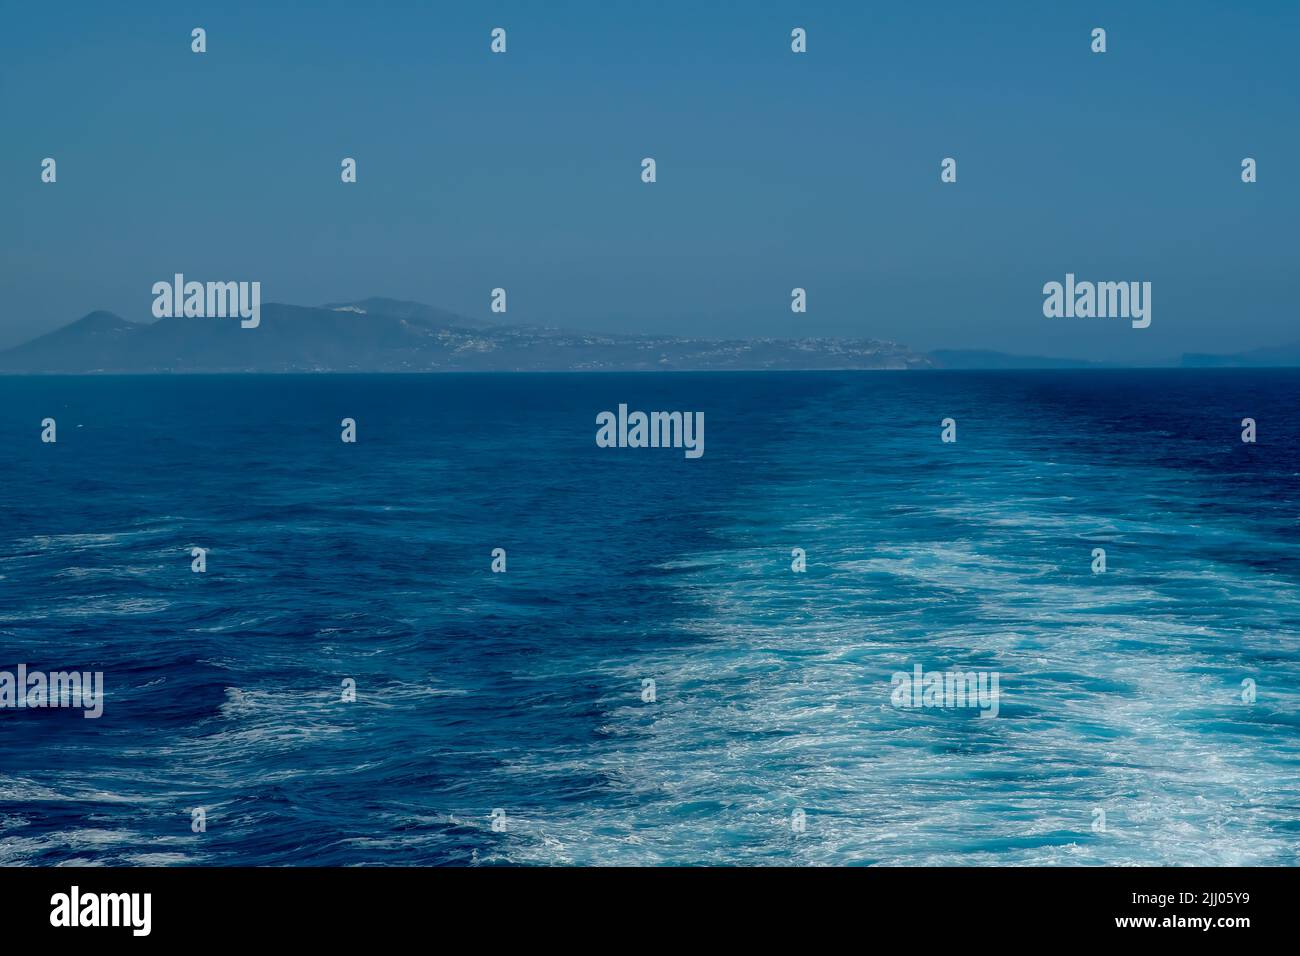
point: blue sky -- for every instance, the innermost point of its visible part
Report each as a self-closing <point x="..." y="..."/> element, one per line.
<point x="774" y="170"/>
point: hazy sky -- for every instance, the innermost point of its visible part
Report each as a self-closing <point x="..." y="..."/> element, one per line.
<point x="775" y="170"/>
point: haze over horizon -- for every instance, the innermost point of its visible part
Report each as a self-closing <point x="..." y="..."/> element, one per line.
<point x="818" y="170"/>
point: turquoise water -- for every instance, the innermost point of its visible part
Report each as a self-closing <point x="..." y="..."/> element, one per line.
<point x="1121" y="692"/>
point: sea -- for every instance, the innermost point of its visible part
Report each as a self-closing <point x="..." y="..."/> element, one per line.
<point x="649" y="681"/>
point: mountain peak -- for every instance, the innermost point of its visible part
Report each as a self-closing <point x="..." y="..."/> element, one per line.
<point x="95" y="341"/>
<point x="100" y="320"/>
<point x="408" y="311"/>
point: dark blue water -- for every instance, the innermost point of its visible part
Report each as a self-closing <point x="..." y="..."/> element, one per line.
<point x="1121" y="692"/>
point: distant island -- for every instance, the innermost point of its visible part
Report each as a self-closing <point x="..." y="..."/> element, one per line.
<point x="389" y="335"/>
